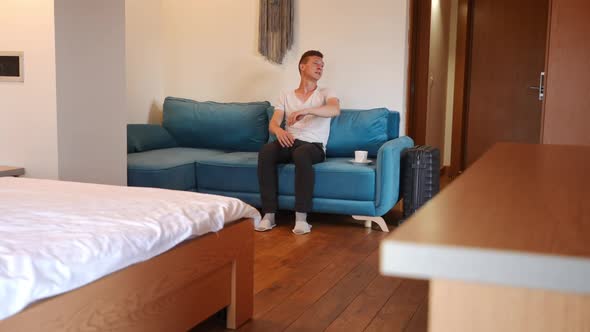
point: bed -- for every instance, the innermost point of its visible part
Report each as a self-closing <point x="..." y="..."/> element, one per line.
<point x="87" y="257"/>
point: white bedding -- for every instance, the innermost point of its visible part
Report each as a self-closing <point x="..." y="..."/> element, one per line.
<point x="56" y="236"/>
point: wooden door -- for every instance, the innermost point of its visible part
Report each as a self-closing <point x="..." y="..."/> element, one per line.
<point x="567" y="104"/>
<point x="508" y="43"/>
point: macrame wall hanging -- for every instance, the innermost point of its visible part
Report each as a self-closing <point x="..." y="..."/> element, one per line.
<point x="276" y="29"/>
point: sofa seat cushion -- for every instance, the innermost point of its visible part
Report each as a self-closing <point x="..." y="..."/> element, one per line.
<point x="172" y="168"/>
<point x="234" y="171"/>
<point x="335" y="178"/>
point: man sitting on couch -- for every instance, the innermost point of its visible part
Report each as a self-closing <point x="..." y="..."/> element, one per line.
<point x="303" y="141"/>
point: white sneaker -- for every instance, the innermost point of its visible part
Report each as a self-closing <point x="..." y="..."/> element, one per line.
<point x="265" y="225"/>
<point x="301" y="227"/>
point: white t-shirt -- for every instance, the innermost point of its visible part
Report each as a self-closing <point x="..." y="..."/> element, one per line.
<point x="311" y="128"/>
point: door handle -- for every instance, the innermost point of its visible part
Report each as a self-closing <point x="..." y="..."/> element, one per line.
<point x="541" y="87"/>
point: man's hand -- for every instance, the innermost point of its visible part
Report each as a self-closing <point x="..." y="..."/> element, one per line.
<point x="296" y="116"/>
<point x="285" y="138"/>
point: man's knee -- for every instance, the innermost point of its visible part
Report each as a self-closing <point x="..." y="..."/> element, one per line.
<point x="268" y="152"/>
<point x="273" y="146"/>
<point x="302" y="155"/>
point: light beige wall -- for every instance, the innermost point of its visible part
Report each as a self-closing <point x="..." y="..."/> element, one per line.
<point x="28" y="122"/>
<point x="451" y="81"/>
<point x="143" y="32"/>
<point x="437" y="67"/>
<point x="211" y="50"/>
<point x="91" y="90"/>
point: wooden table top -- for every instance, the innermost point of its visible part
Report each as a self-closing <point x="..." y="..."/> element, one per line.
<point x="11" y="171"/>
<point x="521" y="207"/>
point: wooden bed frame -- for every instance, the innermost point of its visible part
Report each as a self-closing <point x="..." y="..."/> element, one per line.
<point x="171" y="292"/>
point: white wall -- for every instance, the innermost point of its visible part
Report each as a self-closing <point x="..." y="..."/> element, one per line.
<point x="210" y="51"/>
<point x="28" y="121"/>
<point x="145" y="93"/>
<point x="91" y="90"/>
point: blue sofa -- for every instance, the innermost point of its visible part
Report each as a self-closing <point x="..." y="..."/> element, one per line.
<point x="212" y="148"/>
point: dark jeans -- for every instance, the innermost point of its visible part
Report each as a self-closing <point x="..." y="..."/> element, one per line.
<point x="304" y="155"/>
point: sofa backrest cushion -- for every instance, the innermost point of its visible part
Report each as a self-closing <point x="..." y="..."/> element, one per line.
<point x="361" y="130"/>
<point x="145" y="137"/>
<point x="212" y="125"/>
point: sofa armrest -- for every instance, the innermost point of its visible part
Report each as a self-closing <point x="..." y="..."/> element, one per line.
<point x="388" y="173"/>
<point x="145" y="137"/>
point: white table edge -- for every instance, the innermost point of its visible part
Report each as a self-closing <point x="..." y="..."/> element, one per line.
<point x="502" y="267"/>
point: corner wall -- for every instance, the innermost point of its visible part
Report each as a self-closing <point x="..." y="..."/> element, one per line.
<point x="91" y="90"/>
<point x="28" y="119"/>
<point x="143" y="43"/>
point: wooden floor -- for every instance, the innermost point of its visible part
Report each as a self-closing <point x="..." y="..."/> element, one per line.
<point x="328" y="280"/>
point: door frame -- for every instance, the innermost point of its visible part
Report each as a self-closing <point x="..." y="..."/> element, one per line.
<point x="547" y="47"/>
<point x="461" y="91"/>
<point x="418" y="59"/>
<point x="417" y="84"/>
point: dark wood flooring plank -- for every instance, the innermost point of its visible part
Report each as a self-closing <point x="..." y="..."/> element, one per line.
<point x="322" y="313"/>
<point x="419" y="322"/>
<point x="272" y="245"/>
<point x="357" y="244"/>
<point x="279" y="261"/>
<point x="265" y="276"/>
<point x="289" y="282"/>
<point x="401" y="307"/>
<point x="359" y="314"/>
<point x="299" y="300"/>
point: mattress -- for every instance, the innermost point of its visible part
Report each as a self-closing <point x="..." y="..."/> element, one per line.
<point x="56" y="236"/>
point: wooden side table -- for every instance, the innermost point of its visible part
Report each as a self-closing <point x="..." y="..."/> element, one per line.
<point x="11" y="171"/>
<point x="505" y="246"/>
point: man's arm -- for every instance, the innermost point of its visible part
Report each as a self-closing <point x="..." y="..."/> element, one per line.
<point x="329" y="110"/>
<point x="275" y="121"/>
<point x="285" y="138"/>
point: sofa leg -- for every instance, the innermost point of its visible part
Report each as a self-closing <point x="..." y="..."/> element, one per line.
<point x="369" y="220"/>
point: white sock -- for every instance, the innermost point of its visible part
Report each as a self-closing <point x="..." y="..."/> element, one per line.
<point x="300" y="216"/>
<point x="266" y="223"/>
<point x="270" y="217"/>
<point x="301" y="225"/>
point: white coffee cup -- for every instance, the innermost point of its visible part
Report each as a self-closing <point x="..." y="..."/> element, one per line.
<point x="360" y="156"/>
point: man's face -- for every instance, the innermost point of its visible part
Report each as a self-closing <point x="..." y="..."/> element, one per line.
<point x="312" y="68"/>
